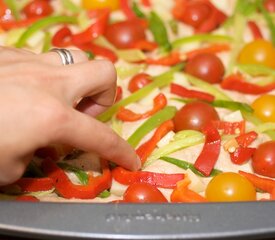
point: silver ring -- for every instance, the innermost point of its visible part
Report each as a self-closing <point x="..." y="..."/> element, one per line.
<point x="65" y="55"/>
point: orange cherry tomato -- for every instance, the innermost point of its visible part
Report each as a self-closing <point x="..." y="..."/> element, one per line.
<point x="143" y="193"/>
<point x="263" y="161"/>
<point x="229" y="187"/>
<point x="99" y="4"/>
<point x="258" y="52"/>
<point x="264" y="107"/>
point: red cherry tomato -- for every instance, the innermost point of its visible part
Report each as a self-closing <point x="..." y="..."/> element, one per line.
<point x="207" y="67"/>
<point x="143" y="193"/>
<point x="38" y="8"/>
<point x="263" y="161"/>
<point x="196" y="13"/>
<point x="270" y="5"/>
<point x="125" y="34"/>
<point x="195" y="116"/>
<point x="139" y="81"/>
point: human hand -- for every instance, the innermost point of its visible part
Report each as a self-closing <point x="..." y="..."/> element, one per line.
<point x="39" y="97"/>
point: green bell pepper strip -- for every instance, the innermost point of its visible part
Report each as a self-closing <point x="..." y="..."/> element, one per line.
<point x="128" y="70"/>
<point x="41" y="24"/>
<point x="138" y="11"/>
<point x="186" y="165"/>
<point x="268" y="20"/>
<point x="174" y="26"/>
<point x="201" y="38"/>
<point x="182" y="139"/>
<point x="265" y="127"/>
<point x="158" y="82"/>
<point x="104" y="194"/>
<point x="207" y="87"/>
<point x="158" y="29"/>
<point x="150" y="124"/>
<point x="12" y="5"/>
<point x="256" y="69"/>
<point x="70" y="6"/>
<point x="47" y="42"/>
<point x="81" y="175"/>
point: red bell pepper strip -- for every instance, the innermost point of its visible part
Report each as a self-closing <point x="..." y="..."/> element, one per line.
<point x="118" y="94"/>
<point x="236" y="82"/>
<point x="255" y="30"/>
<point x="127" y="10"/>
<point x="96" y="29"/>
<point x="67" y="189"/>
<point x="146" y="3"/>
<point x="145" y="45"/>
<point x="126" y="115"/>
<point x="210" y="152"/>
<point x="230" y="127"/>
<point x="144" y="150"/>
<point x="11" y="24"/>
<point x="99" y="51"/>
<point x="62" y="38"/>
<point x="264" y="184"/>
<point x="34" y="184"/>
<point x="216" y="48"/>
<point x="183" y="194"/>
<point x="242" y="155"/>
<point x="169" y="60"/>
<point x="186" y="93"/>
<point x="27" y="198"/>
<point x="246" y="139"/>
<point x="162" y="180"/>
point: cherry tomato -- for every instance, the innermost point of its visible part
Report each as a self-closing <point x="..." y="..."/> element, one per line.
<point x="195" y="116"/>
<point x="207" y="67"/>
<point x="196" y="13"/>
<point x="228" y="187"/>
<point x="263" y="161"/>
<point x="124" y="34"/>
<point x="99" y="4"/>
<point x="258" y="52"/>
<point x="38" y="8"/>
<point x="143" y="193"/>
<point x="264" y="108"/>
<point x="139" y="81"/>
<point x="270" y="5"/>
<point x="5" y="12"/>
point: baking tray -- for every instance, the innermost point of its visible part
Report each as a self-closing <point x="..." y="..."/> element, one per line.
<point x="252" y="220"/>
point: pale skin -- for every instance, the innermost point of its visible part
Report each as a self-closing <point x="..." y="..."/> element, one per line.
<point x="40" y="106"/>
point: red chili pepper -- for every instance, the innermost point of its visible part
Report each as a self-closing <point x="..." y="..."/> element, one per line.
<point x="127" y="10"/>
<point x="62" y="38"/>
<point x="244" y="140"/>
<point x="230" y="127"/>
<point x="242" y="155"/>
<point x="27" y="199"/>
<point x="183" y="194"/>
<point x="186" y="93"/>
<point x="145" y="45"/>
<point x="216" y="48"/>
<point x="146" y="3"/>
<point x="98" y="50"/>
<point x="147" y="148"/>
<point x="255" y="30"/>
<point x="8" y="25"/>
<point x="69" y="190"/>
<point x="118" y="94"/>
<point x="96" y="29"/>
<point x="126" y="115"/>
<point x="34" y="184"/>
<point x="162" y="180"/>
<point x="264" y="184"/>
<point x="210" y="152"/>
<point x="169" y="60"/>
<point x="236" y="82"/>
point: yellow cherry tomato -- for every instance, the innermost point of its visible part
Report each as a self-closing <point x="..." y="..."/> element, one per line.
<point x="99" y="4"/>
<point x="258" y="52"/>
<point x="230" y="187"/>
<point x="264" y="107"/>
